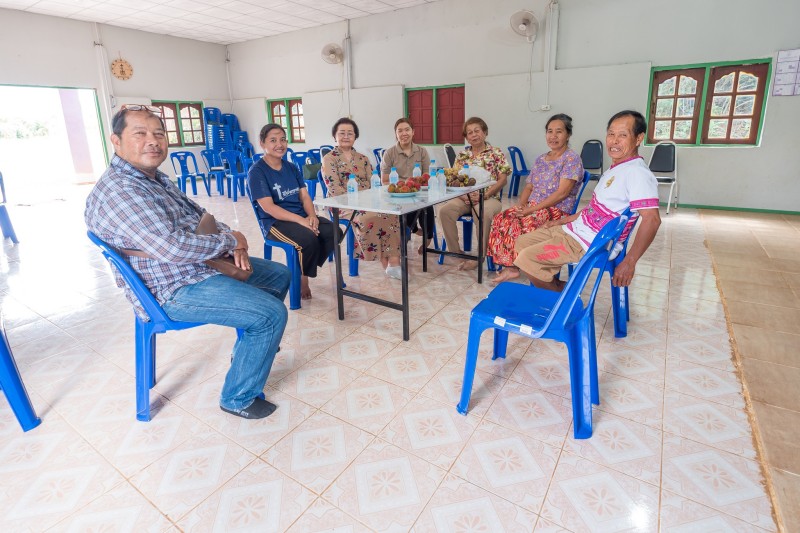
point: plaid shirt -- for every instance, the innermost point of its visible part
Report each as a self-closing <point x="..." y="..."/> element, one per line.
<point x="127" y="209"/>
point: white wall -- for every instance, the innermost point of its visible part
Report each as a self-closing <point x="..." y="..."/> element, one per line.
<point x="603" y="54"/>
<point x="51" y="51"/>
<point x="604" y="51"/>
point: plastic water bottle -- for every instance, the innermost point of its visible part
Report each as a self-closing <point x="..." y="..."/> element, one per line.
<point x="433" y="186"/>
<point x="442" y="181"/>
<point x="375" y="181"/>
<point x="417" y="172"/>
<point x="464" y="171"/>
<point x="432" y="168"/>
<point x="352" y="186"/>
<point x="393" y="176"/>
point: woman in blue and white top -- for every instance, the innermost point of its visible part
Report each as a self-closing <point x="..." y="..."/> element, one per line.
<point x="285" y="210"/>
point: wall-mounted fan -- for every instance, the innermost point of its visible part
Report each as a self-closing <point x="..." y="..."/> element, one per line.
<point x="332" y="53"/>
<point x="524" y="23"/>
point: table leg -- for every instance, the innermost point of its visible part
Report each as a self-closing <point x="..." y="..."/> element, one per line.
<point x="404" y="276"/>
<point x="480" y="237"/>
<point x="337" y="256"/>
<point x="424" y="224"/>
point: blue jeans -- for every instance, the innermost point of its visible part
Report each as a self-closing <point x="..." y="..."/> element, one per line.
<point x="256" y="307"/>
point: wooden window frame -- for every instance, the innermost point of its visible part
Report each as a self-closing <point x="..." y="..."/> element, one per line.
<point x="755" y="117"/>
<point x="177" y="107"/>
<point x="700" y="124"/>
<point x="294" y="134"/>
<point x="661" y="76"/>
<point x="435" y="125"/>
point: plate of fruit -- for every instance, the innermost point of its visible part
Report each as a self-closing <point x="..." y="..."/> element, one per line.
<point x="404" y="188"/>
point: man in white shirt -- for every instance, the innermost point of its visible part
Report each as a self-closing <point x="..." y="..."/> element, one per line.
<point x="627" y="183"/>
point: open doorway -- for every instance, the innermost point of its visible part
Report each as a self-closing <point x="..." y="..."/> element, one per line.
<point x="51" y="142"/>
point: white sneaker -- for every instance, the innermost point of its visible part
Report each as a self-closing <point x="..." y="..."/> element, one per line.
<point x="394" y="272"/>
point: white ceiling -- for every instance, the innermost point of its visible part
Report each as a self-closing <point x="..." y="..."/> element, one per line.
<point x="214" y="21"/>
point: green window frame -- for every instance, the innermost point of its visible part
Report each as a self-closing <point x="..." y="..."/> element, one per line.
<point x="443" y="130"/>
<point x="709" y="104"/>
<point x="184" y="122"/>
<point x="288" y="112"/>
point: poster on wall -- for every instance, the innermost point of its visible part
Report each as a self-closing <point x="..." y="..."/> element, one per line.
<point x="787" y="73"/>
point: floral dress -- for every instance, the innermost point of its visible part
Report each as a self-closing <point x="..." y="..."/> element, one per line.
<point x="492" y="159"/>
<point x="377" y="234"/>
<point x="545" y="177"/>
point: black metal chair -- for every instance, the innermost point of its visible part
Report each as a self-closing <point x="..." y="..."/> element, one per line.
<point x="592" y="158"/>
<point x="664" y="160"/>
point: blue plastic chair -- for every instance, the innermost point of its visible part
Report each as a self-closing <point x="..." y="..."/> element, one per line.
<point x="289" y="155"/>
<point x="586" y="177"/>
<point x="323" y="150"/>
<point x="349" y="233"/>
<point x="184" y="172"/>
<point x="230" y="120"/>
<point x="466" y="231"/>
<point x="619" y="295"/>
<point x="5" y="220"/>
<point x="520" y="171"/>
<point x="235" y="172"/>
<point x="146" y="331"/>
<point x="292" y="258"/>
<point x="314" y="154"/>
<point x="215" y="168"/>
<point x="13" y="387"/>
<point x="378" y="152"/>
<point x="256" y="157"/>
<point x="212" y="115"/>
<point x="543" y="314"/>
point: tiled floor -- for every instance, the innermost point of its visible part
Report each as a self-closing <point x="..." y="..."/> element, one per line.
<point x="366" y="436"/>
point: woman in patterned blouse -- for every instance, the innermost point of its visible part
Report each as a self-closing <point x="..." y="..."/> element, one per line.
<point x="377" y="235"/>
<point x="479" y="154"/>
<point x="551" y="193"/>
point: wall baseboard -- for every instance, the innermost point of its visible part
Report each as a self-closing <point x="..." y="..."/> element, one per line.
<point x="728" y="208"/>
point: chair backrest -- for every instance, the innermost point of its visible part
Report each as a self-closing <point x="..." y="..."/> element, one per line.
<point x="289" y="155"/>
<point x="211" y="159"/>
<point x="596" y="256"/>
<point x="233" y="160"/>
<point x="212" y="115"/>
<point x="246" y="147"/>
<point x="230" y="120"/>
<point x="449" y="155"/>
<point x="519" y="167"/>
<point x="664" y="158"/>
<point x="299" y="159"/>
<point x="592" y="155"/>
<point x="314" y="154"/>
<point x="132" y="279"/>
<point x="322" y="183"/>
<point x="324" y="150"/>
<point x="256" y="157"/>
<point x="586" y="177"/>
<point x="378" y="152"/>
<point x="2" y="189"/>
<point x="184" y="158"/>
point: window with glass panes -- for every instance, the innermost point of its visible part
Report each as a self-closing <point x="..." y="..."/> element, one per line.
<point x="719" y="103"/>
<point x="288" y="112"/>
<point x="183" y="122"/>
<point x="437" y="114"/>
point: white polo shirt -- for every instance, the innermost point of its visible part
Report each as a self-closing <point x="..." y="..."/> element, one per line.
<point x="629" y="183"/>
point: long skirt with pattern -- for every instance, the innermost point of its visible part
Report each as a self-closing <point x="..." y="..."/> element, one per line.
<point x="507" y="227"/>
<point x="377" y="235"/>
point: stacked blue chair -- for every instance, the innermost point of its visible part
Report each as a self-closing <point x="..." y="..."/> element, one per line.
<point x="212" y="115"/>
<point x="146" y="331"/>
<point x="520" y="171"/>
<point x="314" y="155"/>
<point x="235" y="172"/>
<point x="219" y="138"/>
<point x="240" y="136"/>
<point x="5" y="220"/>
<point x="13" y="387"/>
<point x="185" y="171"/>
<point x="543" y="314"/>
<point x="230" y="120"/>
<point x="292" y="258"/>
<point x="215" y="168"/>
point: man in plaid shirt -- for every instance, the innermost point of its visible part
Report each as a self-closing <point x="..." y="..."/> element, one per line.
<point x="135" y="206"/>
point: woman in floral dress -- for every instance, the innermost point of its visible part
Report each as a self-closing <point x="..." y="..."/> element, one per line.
<point x="550" y="193"/>
<point x="377" y="235"/>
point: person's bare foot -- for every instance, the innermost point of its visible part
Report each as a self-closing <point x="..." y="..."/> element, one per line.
<point x="305" y="290"/>
<point x="468" y="264"/>
<point x="507" y="274"/>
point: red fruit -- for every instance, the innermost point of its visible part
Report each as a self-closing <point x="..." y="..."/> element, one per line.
<point x="426" y="176"/>
<point x="401" y="183"/>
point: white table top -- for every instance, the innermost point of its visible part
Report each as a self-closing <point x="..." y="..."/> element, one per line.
<point x="379" y="201"/>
